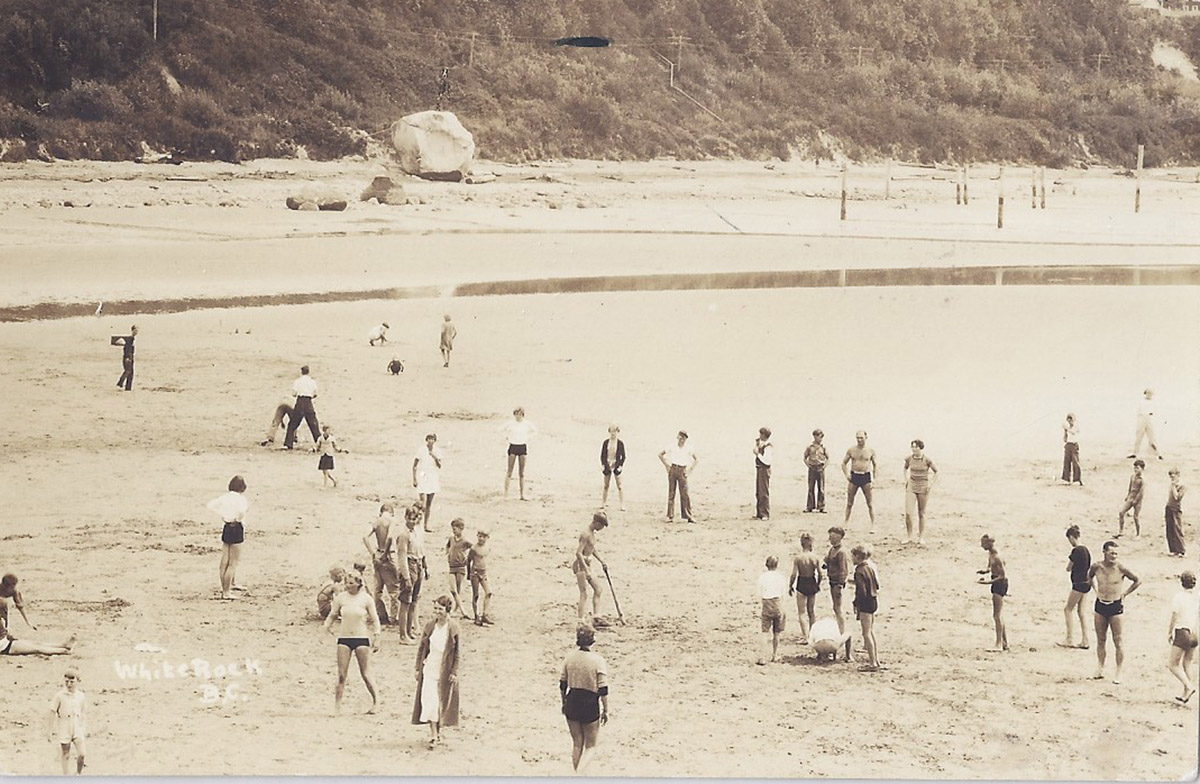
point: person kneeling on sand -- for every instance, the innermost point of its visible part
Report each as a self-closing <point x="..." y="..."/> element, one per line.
<point x="826" y="639"/>
<point x="336" y="584"/>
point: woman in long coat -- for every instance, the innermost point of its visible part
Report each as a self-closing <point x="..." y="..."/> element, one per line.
<point x="437" y="688"/>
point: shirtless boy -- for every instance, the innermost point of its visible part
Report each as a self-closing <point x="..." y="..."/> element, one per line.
<point x="859" y="467"/>
<point x="582" y="566"/>
<point x="477" y="573"/>
<point x="1108" y="577"/>
<point x="994" y="576"/>
<point x="805" y="583"/>
<point x="382" y="552"/>
<point x="458" y="549"/>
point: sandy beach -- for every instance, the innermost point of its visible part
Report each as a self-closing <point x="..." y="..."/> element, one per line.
<point x="109" y="533"/>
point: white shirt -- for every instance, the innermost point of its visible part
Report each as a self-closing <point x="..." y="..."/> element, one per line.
<point x="768" y="454"/>
<point x="1070" y="432"/>
<point x="680" y="455"/>
<point x="428" y="477"/>
<point x="304" y="387"/>
<point x="1146" y="407"/>
<point x="520" y="432"/>
<point x="772" y="584"/>
<point x="232" y="506"/>
<point x="377" y="332"/>
<point x="1186" y="608"/>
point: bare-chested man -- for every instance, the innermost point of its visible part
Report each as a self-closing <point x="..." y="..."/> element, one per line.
<point x="582" y="567"/>
<point x="381" y="549"/>
<point x="859" y="467"/>
<point x="995" y="576"/>
<point x="1108" y="577"/>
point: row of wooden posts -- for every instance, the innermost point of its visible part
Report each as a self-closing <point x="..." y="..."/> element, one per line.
<point x="1037" y="187"/>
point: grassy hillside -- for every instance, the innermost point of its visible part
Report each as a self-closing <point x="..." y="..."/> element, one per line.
<point x="1050" y="81"/>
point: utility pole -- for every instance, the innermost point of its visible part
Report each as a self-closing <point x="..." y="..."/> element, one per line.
<point x="156" y="21"/>
<point x="678" y="51"/>
<point x="470" y="55"/>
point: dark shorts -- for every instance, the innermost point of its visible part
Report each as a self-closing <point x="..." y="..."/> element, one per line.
<point x="582" y="706"/>
<point x="326" y="463"/>
<point x="1081" y="587"/>
<point x="233" y="533"/>
<point x="866" y="604"/>
<point x="353" y="642"/>
<point x="807" y="586"/>
<point x="1109" y="609"/>
<point x="1000" y="588"/>
<point x="518" y="449"/>
<point x="6" y="645"/>
<point x="459" y="570"/>
<point x="860" y="480"/>
<point x="1186" y="639"/>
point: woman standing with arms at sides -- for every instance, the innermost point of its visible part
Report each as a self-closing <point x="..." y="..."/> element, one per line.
<point x="232" y="508"/>
<point x="519" y="431"/>
<point x="584" y="687"/>
<point x="612" y="458"/>
<point x="437" y="684"/>
<point x="355" y="608"/>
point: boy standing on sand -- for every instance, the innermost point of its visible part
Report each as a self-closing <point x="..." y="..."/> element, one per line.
<point x="1133" y="500"/>
<point x="447" y="341"/>
<point x="1078" y="564"/>
<point x="382" y="552"/>
<point x="582" y="565"/>
<point x="477" y="572"/>
<point x="1174" y="514"/>
<point x="815" y="457"/>
<point x="866" y="602"/>
<point x="67" y="718"/>
<point x="837" y="567"/>
<point x="417" y="571"/>
<point x="805" y="582"/>
<point x="458" y="550"/>
<point x="771" y="585"/>
<point x="402" y="541"/>
<point x="999" y="583"/>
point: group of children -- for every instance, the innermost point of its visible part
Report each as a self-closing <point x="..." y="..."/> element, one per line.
<point x="400" y="571"/>
<point x="805" y="583"/>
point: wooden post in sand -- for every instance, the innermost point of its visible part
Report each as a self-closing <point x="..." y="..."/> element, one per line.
<point x="1043" y="179"/>
<point x="843" y="190"/>
<point x="965" y="176"/>
<point x="958" y="186"/>
<point x="1033" y="187"/>
<point x="887" y="183"/>
<point x="1137" y="193"/>
<point x="1000" y="202"/>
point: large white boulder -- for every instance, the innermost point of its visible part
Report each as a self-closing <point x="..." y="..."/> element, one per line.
<point x="433" y="145"/>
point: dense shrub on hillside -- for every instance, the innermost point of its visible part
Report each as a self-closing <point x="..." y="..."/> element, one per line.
<point x="931" y="79"/>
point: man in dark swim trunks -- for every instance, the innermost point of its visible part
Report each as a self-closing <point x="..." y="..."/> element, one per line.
<point x="994" y="576"/>
<point x="859" y="467"/>
<point x="1078" y="564"/>
<point x="1108" y="577"/>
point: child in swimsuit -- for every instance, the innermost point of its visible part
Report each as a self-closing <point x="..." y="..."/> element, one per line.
<point x="805" y="584"/>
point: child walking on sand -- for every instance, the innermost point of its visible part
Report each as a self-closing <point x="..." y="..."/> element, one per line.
<point x="805" y="583"/>
<point x="327" y="446"/>
<point x="67" y="721"/>
<point x="477" y="572"/>
<point x="771" y="585"/>
<point x="458" y="551"/>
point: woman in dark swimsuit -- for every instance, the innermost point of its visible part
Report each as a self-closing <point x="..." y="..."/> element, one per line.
<point x="806" y="584"/>
<point x="584" y="690"/>
<point x="355" y="608"/>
